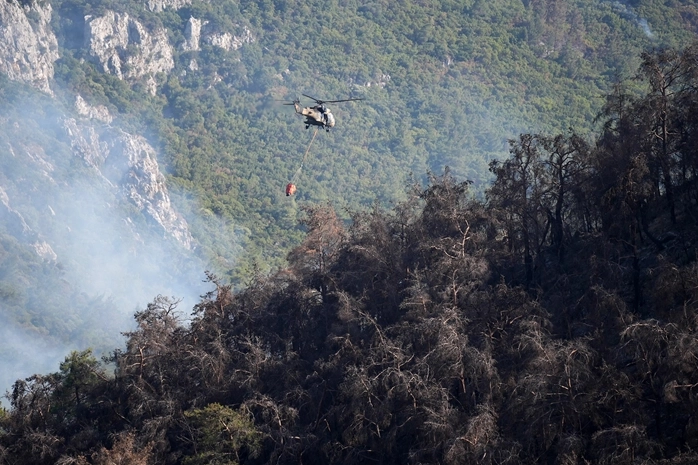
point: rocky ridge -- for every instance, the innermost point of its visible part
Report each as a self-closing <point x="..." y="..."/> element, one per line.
<point x="28" y="45"/>
<point x="98" y="112"/>
<point x="20" y="230"/>
<point x="117" y="42"/>
<point x="228" y="41"/>
<point x="129" y="163"/>
<point x="197" y="31"/>
<point x="124" y="47"/>
<point x="144" y="184"/>
<point x="161" y="5"/>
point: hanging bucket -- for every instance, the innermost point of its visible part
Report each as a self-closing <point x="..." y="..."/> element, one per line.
<point x="290" y="189"/>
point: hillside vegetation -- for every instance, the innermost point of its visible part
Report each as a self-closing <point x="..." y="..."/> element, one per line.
<point x="552" y="321"/>
<point x="444" y="84"/>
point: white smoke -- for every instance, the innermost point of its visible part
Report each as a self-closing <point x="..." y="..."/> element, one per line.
<point x="628" y="12"/>
<point x="24" y="354"/>
<point x="111" y="259"/>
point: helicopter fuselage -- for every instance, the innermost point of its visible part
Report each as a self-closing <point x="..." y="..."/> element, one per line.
<point x="319" y="115"/>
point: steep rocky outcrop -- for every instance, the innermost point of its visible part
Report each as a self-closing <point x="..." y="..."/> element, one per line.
<point x="99" y="112"/>
<point x="20" y="230"/>
<point x="124" y="47"/>
<point x="144" y="184"/>
<point x="28" y="46"/>
<point x="228" y="41"/>
<point x="86" y="143"/>
<point x="128" y="163"/>
<point x="35" y="153"/>
<point x="192" y="34"/>
<point x="160" y="5"/>
<point x="197" y="31"/>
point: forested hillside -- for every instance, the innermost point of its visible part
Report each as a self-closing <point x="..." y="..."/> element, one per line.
<point x="552" y="321"/>
<point x="188" y="94"/>
<point x="443" y="83"/>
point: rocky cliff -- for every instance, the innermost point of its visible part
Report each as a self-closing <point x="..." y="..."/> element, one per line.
<point x="118" y="43"/>
<point x="28" y="45"/>
<point x="144" y="184"/>
<point x="160" y="5"/>
<point x="197" y="31"/>
<point x="192" y="34"/>
<point x="18" y="227"/>
<point x="98" y="112"/>
<point x="121" y="46"/>
<point x="229" y="41"/>
<point x="127" y="162"/>
<point x="124" y="47"/>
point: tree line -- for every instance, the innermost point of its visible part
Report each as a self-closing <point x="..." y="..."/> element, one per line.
<point x="553" y="321"/>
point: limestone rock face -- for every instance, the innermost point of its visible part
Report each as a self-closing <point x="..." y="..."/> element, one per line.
<point x="160" y="5"/>
<point x="197" y="31"/>
<point x="229" y="41"/>
<point x="99" y="112"/>
<point x="123" y="47"/>
<point x="28" y="46"/>
<point x="144" y="184"/>
<point x="18" y="227"/>
<point x="128" y="163"/>
<point x="192" y="34"/>
<point x="86" y="143"/>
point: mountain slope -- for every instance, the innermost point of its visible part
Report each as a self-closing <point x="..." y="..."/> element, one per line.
<point x="161" y="122"/>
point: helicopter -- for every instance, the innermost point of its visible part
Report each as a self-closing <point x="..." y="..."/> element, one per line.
<point x="318" y="114"/>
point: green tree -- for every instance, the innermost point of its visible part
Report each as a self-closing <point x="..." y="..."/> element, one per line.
<point x="221" y="436"/>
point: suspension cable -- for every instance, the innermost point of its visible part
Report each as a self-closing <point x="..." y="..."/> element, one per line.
<point x="305" y="156"/>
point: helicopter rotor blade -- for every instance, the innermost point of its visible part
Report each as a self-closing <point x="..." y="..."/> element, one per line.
<point x="286" y="102"/>
<point x="319" y="102"/>
<point x="343" y="100"/>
